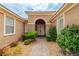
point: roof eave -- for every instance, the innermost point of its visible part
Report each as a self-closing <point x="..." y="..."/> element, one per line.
<point x="6" y="9"/>
<point x="62" y="8"/>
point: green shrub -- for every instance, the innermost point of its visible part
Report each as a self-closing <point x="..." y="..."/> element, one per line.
<point x="48" y="38"/>
<point x="26" y="42"/>
<point x="29" y="35"/>
<point x="68" y="39"/>
<point x="52" y="34"/>
<point x="13" y="44"/>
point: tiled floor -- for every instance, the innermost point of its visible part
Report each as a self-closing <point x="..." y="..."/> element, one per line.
<point x="41" y="48"/>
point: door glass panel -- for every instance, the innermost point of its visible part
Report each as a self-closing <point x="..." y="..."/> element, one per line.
<point x="40" y="29"/>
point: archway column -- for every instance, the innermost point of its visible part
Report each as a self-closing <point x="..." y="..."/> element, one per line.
<point x="48" y="25"/>
<point x="31" y="27"/>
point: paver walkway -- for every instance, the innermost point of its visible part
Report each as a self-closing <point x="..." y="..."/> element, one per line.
<point x="41" y="48"/>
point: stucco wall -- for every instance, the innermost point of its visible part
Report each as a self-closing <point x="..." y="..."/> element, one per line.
<point x="33" y="18"/>
<point x="72" y="16"/>
<point x="54" y="23"/>
<point x="6" y="40"/>
<point x="31" y="27"/>
<point x="69" y="13"/>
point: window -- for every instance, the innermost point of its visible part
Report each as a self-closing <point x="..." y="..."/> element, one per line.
<point x="60" y="23"/>
<point x="9" y="25"/>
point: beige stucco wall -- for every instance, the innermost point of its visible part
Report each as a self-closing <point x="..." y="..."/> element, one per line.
<point x="72" y="16"/>
<point x="69" y="13"/>
<point x="33" y="17"/>
<point x="6" y="40"/>
<point x="54" y="23"/>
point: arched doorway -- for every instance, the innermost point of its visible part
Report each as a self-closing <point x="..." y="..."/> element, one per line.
<point x="40" y="27"/>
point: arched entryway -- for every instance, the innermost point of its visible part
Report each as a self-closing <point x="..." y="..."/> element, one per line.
<point x="40" y="27"/>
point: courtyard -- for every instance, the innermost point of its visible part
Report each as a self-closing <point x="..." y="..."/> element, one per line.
<point x="41" y="33"/>
<point x="40" y="48"/>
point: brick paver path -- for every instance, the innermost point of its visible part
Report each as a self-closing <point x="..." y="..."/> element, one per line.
<point x="41" y="48"/>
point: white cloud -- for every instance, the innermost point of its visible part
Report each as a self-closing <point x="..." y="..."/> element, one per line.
<point x="56" y="3"/>
<point x="20" y="8"/>
<point x="36" y="6"/>
<point x="40" y="7"/>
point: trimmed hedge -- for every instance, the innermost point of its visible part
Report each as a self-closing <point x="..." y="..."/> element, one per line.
<point x="52" y="34"/>
<point x="68" y="39"/>
<point x="29" y="35"/>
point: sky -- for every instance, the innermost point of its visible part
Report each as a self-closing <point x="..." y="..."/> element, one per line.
<point x="19" y="8"/>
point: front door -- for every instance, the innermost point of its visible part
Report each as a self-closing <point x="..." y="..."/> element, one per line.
<point x="40" y="29"/>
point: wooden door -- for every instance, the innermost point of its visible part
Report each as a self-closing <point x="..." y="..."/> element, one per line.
<point x="40" y="29"/>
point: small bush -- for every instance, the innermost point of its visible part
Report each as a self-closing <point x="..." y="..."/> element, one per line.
<point x="68" y="39"/>
<point x="13" y="44"/>
<point x="26" y="42"/>
<point x="52" y="34"/>
<point x="29" y="35"/>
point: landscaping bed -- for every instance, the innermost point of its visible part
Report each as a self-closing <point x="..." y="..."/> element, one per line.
<point x="68" y="40"/>
<point x="14" y="49"/>
<point x="29" y="37"/>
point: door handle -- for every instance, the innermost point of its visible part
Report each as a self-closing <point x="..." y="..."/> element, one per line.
<point x="40" y="30"/>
